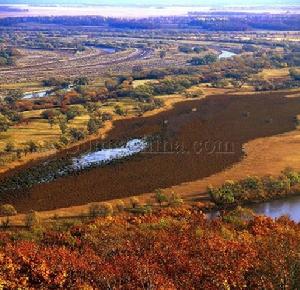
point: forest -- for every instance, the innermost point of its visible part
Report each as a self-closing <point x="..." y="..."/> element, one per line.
<point x="208" y="21"/>
<point x="174" y="248"/>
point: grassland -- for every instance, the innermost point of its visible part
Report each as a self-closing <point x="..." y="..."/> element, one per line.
<point x="274" y="73"/>
<point x="39" y="130"/>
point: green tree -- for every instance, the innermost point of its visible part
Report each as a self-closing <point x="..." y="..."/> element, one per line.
<point x="92" y="126"/>
<point x="77" y="134"/>
<point x="4" y="123"/>
<point x="162" y="54"/>
<point x="160" y="197"/>
<point x="81" y="81"/>
<point x="9" y="147"/>
<point x="32" y="146"/>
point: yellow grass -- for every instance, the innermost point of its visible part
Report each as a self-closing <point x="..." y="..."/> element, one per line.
<point x="25" y="87"/>
<point x="274" y="73"/>
<point x="40" y="131"/>
<point x="137" y="83"/>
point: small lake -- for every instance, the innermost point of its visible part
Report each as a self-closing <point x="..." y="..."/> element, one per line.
<point x="226" y="54"/>
<point x="289" y="206"/>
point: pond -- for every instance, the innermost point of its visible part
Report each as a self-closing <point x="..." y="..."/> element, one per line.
<point x="226" y="54"/>
<point x="289" y="206"/>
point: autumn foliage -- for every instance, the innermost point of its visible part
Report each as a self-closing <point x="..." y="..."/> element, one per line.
<point x="175" y="248"/>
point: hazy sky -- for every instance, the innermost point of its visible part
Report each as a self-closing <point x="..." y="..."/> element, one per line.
<point x="156" y="2"/>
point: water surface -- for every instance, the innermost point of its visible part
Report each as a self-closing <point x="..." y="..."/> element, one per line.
<point x="226" y="54"/>
<point x="289" y="206"/>
<point x="106" y="155"/>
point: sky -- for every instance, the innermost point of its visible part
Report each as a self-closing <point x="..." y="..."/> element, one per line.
<point x="156" y="2"/>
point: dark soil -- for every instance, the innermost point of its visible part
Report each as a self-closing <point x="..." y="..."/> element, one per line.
<point x="220" y="123"/>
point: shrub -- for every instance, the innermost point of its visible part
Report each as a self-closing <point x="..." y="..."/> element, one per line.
<point x="252" y="187"/>
<point x="103" y="209"/>
<point x="175" y="200"/>
<point x="141" y="210"/>
<point x="77" y="134"/>
<point x="135" y="202"/>
<point x="73" y="112"/>
<point x="278" y="186"/>
<point x="5" y="223"/>
<point x="120" y="205"/>
<point x="292" y="175"/>
<point x="32" y="146"/>
<point x="9" y="147"/>
<point x="106" y="117"/>
<point x="93" y="126"/>
<point x="4" y="123"/>
<point x="160" y="197"/>
<point x="120" y="111"/>
<point x="50" y="114"/>
<point x="207" y="59"/>
<point x="64" y="140"/>
<point x="31" y="219"/>
<point x="7" y="210"/>
<point x="226" y="193"/>
<point x="238" y="216"/>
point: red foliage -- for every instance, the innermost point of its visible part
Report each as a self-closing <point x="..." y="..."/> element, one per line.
<point x="171" y="249"/>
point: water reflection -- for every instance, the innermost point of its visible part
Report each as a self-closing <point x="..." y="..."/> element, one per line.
<point x="105" y="155"/>
<point x="226" y="54"/>
<point x="276" y="208"/>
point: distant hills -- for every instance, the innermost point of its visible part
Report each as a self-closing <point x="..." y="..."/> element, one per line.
<point x="211" y="3"/>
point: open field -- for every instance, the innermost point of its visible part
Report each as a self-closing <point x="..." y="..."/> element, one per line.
<point x="39" y="130"/>
<point x="70" y="66"/>
<point x="274" y="73"/>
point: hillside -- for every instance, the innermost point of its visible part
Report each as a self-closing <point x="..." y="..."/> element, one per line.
<point x="172" y="248"/>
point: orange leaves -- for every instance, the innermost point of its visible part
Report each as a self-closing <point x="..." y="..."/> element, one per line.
<point x="163" y="250"/>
